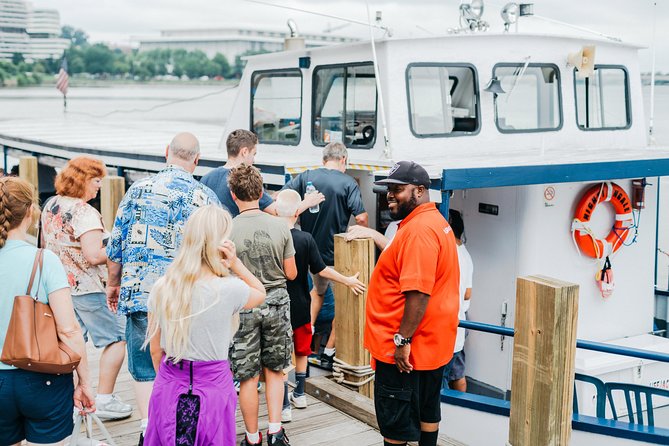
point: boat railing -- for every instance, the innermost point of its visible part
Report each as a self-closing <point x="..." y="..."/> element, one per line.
<point x="585" y="345"/>
<point x="586" y="423"/>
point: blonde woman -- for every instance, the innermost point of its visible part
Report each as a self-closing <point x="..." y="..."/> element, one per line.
<point x="36" y="407"/>
<point x="192" y="318"/>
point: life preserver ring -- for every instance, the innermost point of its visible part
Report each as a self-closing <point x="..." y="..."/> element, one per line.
<point x="583" y="236"/>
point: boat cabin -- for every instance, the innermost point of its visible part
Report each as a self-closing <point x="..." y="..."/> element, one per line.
<point x="512" y="135"/>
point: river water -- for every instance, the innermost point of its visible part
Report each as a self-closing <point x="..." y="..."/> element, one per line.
<point x="206" y="104"/>
<point x="210" y="104"/>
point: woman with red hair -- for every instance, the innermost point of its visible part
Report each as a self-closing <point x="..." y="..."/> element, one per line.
<point x="74" y="230"/>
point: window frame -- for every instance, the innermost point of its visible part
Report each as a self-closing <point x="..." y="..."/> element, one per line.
<point x="476" y="91"/>
<point x="252" y="97"/>
<point x="628" y="99"/>
<point x="559" y="95"/>
<point x="314" y="85"/>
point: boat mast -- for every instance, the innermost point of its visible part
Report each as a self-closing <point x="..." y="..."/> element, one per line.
<point x="387" y="151"/>
<point x="651" y="122"/>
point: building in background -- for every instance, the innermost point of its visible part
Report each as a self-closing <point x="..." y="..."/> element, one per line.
<point x="44" y="32"/>
<point x="32" y="32"/>
<point x="231" y="42"/>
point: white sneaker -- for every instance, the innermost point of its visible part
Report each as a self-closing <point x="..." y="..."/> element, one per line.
<point x="300" y="402"/>
<point x="286" y="415"/>
<point x="114" y="409"/>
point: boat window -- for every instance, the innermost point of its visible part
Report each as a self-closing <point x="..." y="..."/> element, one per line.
<point x="443" y="99"/>
<point x="276" y="106"/>
<point x="530" y="101"/>
<point x="602" y="100"/>
<point x="344" y="105"/>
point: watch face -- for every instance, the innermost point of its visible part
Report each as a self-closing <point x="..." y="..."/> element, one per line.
<point x="397" y="339"/>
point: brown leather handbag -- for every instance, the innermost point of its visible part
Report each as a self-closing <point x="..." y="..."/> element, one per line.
<point x="32" y="341"/>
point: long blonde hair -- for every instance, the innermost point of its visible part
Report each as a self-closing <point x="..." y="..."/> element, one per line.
<point x="204" y="231"/>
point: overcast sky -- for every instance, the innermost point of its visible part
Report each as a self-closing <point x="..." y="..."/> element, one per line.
<point x="117" y="21"/>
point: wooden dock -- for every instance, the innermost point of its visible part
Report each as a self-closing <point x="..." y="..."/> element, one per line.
<point x="318" y="424"/>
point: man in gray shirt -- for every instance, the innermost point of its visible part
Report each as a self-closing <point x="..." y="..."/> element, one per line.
<point x="342" y="199"/>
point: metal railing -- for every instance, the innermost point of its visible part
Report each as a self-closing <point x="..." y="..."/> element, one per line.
<point x="586" y="345"/>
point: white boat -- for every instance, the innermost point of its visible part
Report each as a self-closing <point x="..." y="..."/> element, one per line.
<point x="512" y="135"/>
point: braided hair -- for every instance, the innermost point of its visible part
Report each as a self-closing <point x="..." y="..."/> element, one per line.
<point x="16" y="197"/>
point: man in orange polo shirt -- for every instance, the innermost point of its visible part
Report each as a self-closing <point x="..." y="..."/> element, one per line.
<point x="412" y="311"/>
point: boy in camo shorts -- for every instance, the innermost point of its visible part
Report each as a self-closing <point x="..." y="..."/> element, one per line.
<point x="264" y="339"/>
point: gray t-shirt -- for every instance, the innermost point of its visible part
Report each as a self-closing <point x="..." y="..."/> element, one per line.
<point x="215" y="302"/>
<point x="263" y="242"/>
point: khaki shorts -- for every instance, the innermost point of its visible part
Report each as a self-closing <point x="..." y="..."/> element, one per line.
<point x="264" y="339"/>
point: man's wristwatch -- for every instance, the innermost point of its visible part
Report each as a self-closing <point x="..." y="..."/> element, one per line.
<point x="401" y="341"/>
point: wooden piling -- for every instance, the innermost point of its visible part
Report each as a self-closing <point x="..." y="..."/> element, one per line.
<point x="350" y="258"/>
<point x="111" y="194"/>
<point x="543" y="362"/>
<point x="28" y="170"/>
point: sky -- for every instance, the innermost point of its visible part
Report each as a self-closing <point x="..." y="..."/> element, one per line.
<point x="122" y="21"/>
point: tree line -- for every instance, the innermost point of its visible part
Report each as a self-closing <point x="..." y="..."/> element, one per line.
<point x="99" y="60"/>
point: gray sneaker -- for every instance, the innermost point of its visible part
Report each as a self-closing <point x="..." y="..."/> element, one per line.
<point x="114" y="409"/>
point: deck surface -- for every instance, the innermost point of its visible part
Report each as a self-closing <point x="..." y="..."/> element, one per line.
<point x="318" y="424"/>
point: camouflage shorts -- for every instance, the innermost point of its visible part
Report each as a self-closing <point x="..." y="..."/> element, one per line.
<point x="264" y="338"/>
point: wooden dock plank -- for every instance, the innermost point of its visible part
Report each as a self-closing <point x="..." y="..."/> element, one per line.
<point x="319" y="423"/>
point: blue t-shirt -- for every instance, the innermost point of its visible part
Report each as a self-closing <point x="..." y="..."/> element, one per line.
<point x="217" y="180"/>
<point x="16" y="263"/>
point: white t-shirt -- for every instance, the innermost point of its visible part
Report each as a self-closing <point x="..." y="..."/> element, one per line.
<point x="466" y="273"/>
<point x="215" y="302"/>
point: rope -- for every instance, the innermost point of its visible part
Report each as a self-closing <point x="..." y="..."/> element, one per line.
<point x="361" y="371"/>
<point x="155" y="107"/>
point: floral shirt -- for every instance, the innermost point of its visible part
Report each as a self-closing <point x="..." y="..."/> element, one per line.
<point x="148" y="230"/>
<point x="64" y="221"/>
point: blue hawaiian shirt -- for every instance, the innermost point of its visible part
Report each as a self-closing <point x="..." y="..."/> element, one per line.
<point x="148" y="230"/>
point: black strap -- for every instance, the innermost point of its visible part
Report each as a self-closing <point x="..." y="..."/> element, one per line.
<point x="190" y="386"/>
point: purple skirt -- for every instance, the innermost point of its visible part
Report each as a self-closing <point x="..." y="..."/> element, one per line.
<point x="203" y="416"/>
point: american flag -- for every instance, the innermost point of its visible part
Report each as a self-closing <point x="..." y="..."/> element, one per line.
<point x="63" y="79"/>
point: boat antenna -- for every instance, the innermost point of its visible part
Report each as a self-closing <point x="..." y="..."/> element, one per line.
<point x="387" y="30"/>
<point x="387" y="151"/>
<point x="651" y="123"/>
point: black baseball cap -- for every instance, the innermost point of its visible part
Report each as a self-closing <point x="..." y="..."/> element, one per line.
<point x="407" y="172"/>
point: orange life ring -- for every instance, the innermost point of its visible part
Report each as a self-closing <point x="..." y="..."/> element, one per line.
<point x="583" y="236"/>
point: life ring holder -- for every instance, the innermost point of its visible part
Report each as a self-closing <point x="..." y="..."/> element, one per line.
<point x="584" y="239"/>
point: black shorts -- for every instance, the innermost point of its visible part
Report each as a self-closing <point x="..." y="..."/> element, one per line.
<point x="403" y="400"/>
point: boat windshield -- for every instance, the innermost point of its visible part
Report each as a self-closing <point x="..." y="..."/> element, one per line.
<point x="276" y="111"/>
<point x="344" y="108"/>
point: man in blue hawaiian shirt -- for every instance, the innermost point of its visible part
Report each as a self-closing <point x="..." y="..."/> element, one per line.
<point x="147" y="232"/>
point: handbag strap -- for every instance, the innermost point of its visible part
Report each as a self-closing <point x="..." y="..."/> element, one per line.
<point x="38" y="262"/>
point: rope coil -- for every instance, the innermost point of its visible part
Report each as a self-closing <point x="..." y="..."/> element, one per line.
<point x="340" y="368"/>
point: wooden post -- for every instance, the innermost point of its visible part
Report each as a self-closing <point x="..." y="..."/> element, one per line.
<point x="28" y="171"/>
<point x="350" y="258"/>
<point x="111" y="194"/>
<point x="544" y="349"/>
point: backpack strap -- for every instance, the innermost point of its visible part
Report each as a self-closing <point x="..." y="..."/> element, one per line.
<point x="38" y="262"/>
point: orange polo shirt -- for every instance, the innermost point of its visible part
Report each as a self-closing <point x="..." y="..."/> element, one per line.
<point x="422" y="257"/>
